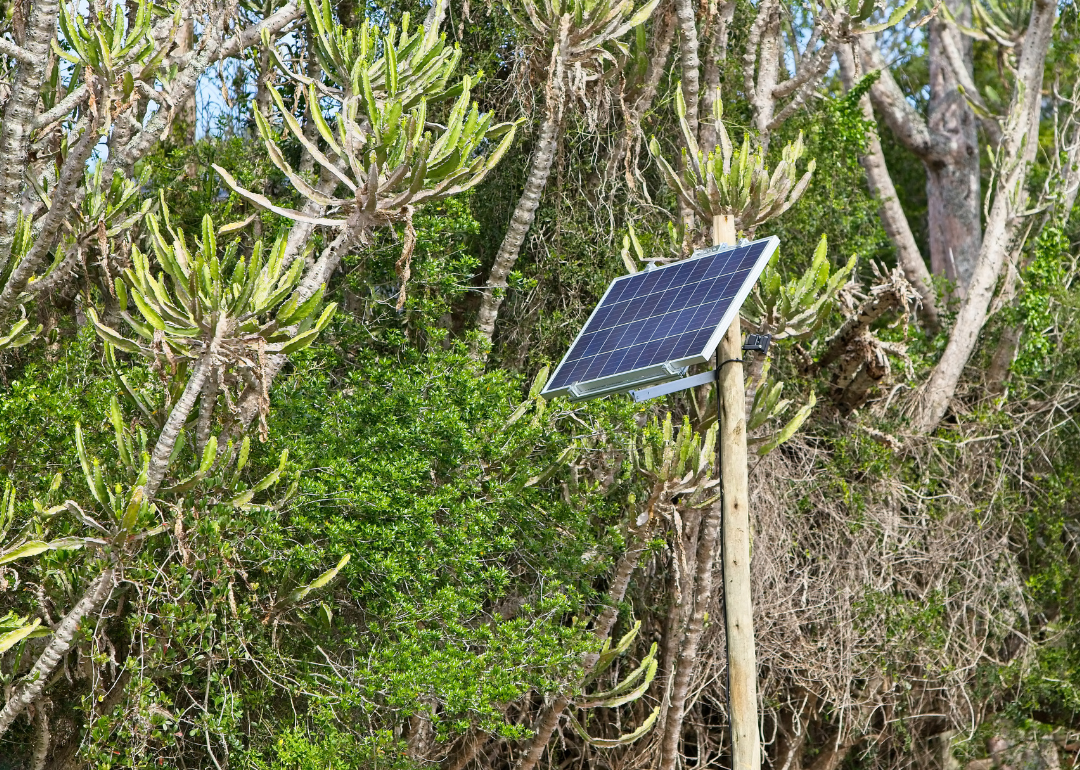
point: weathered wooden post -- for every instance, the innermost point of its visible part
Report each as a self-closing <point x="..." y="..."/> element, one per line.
<point x="735" y="537"/>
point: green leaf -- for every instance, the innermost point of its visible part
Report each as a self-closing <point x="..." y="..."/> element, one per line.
<point x="35" y="547"/>
<point x="11" y="638"/>
<point x="319" y="582"/>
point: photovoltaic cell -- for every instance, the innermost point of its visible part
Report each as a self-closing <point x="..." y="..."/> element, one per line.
<point x="651" y="325"/>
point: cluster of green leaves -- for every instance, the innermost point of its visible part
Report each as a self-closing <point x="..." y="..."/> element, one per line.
<point x="1037" y="304"/>
<point x="419" y="480"/>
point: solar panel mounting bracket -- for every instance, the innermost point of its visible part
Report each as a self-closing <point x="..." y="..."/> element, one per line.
<point x="673" y="387"/>
<point x="758" y="343"/>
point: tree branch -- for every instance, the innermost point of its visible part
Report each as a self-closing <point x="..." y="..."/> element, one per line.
<point x="95" y="596"/>
<point x="903" y="120"/>
<point x="1018" y="149"/>
<point x="19" y="54"/>
<point x="893" y="218"/>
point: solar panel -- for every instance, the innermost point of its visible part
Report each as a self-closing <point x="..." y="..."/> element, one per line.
<point x="651" y="325"/>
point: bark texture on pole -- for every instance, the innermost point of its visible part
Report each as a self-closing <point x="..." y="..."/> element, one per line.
<point x="525" y="212"/>
<point x="735" y="536"/>
<point x="723" y="231"/>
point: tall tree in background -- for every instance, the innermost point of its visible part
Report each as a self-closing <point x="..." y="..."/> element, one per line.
<point x="578" y="37"/>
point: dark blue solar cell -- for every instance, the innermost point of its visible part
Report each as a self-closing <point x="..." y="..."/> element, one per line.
<point x="630" y="334"/>
<point x="716" y="267"/>
<point x="683" y="346"/>
<point x="682" y="299"/>
<point x="649" y="284"/>
<point x="667" y="321"/>
<point x="663" y="280"/>
<point x="715" y="312"/>
<point x="735" y="283"/>
<point x="611" y="320"/>
<point x="750" y="258"/>
<point x="633" y="285"/>
<point x="598" y="318"/>
<point x="615" y="293"/>
<point x="701" y="317"/>
<point x="732" y="260"/>
<point x="627" y="312"/>
<point x="597" y="343"/>
<point x="699" y="270"/>
<point x="596" y="366"/>
<point x="702" y="293"/>
<point x="630" y="361"/>
<point x="614" y="364"/>
<point x="578" y="350"/>
<point x="653" y="353"/>
<point x="648" y="331"/>
<point x="648" y="305"/>
<point x="626" y="335"/>
<point x="701" y="339"/>
<point x="683" y="322"/>
<point x="565" y="374"/>
<point x="666" y="301"/>
<point x="679" y="274"/>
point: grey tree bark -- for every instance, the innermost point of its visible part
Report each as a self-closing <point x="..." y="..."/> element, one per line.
<point x="1003" y="222"/>
<point x="18" y="120"/>
<point x="97" y="593"/>
<point x="954" y="199"/>
<point x="892" y="214"/>
<point x="546" y="144"/>
<point x="691" y="64"/>
<point x="947" y="143"/>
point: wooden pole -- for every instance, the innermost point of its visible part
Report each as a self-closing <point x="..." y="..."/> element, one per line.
<point x="735" y="539"/>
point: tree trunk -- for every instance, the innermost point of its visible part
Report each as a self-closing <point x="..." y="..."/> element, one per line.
<point x="953" y="191"/>
<point x="1003" y="222"/>
<point x="18" y="118"/>
<point x="64" y="194"/>
<point x="187" y="116"/>
<point x="543" y="157"/>
<point x="762" y="100"/>
<point x="691" y="64"/>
